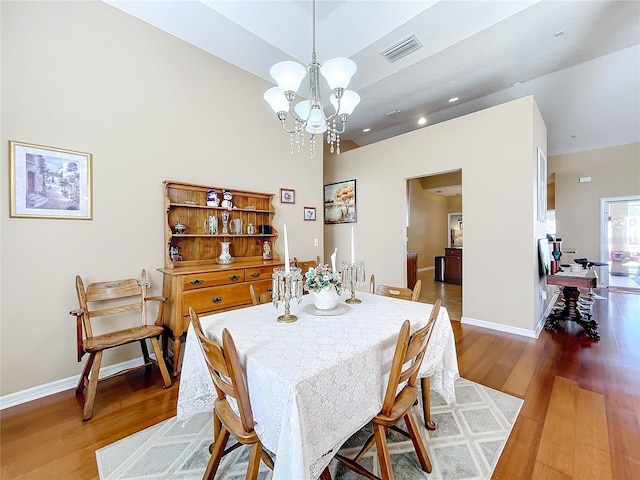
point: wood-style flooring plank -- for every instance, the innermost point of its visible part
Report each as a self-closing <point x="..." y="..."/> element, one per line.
<point x="556" y="449"/>
<point x="591" y="454"/>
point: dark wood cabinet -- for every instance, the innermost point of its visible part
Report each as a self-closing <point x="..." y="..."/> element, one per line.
<point x="453" y="265"/>
<point x="412" y="270"/>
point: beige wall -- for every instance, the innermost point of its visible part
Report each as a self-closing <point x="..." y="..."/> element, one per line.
<point x="87" y="77"/>
<point x="496" y="150"/>
<point x="427" y="231"/>
<point x="614" y="172"/>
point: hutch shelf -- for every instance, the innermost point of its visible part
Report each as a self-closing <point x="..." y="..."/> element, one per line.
<point x="192" y="275"/>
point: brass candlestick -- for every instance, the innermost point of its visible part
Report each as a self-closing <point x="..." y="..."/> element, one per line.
<point x="286" y="285"/>
<point x="353" y="275"/>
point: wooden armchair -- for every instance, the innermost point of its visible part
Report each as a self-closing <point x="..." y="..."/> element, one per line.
<point x="100" y="303"/>
<point x="396" y="292"/>
<point x="397" y="404"/>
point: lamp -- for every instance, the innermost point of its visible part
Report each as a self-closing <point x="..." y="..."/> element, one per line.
<point x="309" y="115"/>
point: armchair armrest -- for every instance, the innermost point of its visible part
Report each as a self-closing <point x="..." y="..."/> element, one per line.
<point x="79" y="314"/>
<point x="162" y="301"/>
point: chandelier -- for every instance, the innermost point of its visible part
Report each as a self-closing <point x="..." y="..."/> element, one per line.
<point x="309" y="115"/>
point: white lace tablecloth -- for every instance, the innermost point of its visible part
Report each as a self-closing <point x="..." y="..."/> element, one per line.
<point x="315" y="382"/>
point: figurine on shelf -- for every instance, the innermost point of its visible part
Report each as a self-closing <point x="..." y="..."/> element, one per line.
<point x="212" y="198"/>
<point x="266" y="250"/>
<point x="227" y="199"/>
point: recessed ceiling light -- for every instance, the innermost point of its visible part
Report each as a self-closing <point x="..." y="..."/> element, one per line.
<point x="422" y="121"/>
<point x="557" y="34"/>
<point x="366" y="130"/>
<point x="454" y="99"/>
<point x="517" y="83"/>
<point x="392" y="112"/>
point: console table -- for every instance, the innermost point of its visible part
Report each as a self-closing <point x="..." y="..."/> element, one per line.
<point x="570" y="283"/>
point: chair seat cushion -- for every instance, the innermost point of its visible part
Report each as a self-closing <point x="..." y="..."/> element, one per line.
<point x="121" y="337"/>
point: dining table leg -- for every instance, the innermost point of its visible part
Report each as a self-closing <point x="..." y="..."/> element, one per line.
<point x="425" y="386"/>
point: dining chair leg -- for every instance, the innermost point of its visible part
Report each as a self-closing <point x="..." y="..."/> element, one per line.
<point x="367" y="446"/>
<point x="425" y="386"/>
<point x="254" y="461"/>
<point x="216" y="455"/>
<point x="217" y="426"/>
<point x="386" y="472"/>
<point x="90" y="396"/>
<point x="418" y="444"/>
<point x="326" y="475"/>
<point x="166" y="378"/>
<point x="84" y="378"/>
<point x="145" y="356"/>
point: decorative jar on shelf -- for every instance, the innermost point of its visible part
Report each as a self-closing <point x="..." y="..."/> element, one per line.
<point x="225" y="257"/>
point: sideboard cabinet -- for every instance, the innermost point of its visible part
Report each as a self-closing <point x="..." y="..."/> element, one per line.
<point x="192" y="275"/>
<point x="453" y="265"/>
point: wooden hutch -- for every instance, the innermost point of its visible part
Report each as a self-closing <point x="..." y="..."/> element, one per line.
<point x="192" y="275"/>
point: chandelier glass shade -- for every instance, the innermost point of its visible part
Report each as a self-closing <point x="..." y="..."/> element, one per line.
<point x="309" y="115"/>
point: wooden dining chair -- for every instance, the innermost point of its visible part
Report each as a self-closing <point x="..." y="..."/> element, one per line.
<point x="258" y="298"/>
<point x="229" y="382"/>
<point x="307" y="264"/>
<point x="397" y="404"/>
<point x="396" y="292"/>
<point x="103" y="303"/>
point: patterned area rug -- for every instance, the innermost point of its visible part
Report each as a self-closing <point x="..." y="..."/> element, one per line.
<point x="466" y="444"/>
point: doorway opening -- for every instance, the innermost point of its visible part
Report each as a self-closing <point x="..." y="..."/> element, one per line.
<point x="434" y="225"/>
<point x="620" y="241"/>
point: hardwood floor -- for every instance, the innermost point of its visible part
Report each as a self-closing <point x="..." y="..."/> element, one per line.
<point x="580" y="418"/>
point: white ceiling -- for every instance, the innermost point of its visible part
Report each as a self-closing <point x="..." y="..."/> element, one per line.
<point x="579" y="59"/>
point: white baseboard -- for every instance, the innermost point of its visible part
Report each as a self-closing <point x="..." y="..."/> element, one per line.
<point x="424" y="269"/>
<point x="523" y="332"/>
<point x="34" y="393"/>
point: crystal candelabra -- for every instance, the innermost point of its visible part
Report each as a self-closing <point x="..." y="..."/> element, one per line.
<point x="286" y="286"/>
<point x="352" y="277"/>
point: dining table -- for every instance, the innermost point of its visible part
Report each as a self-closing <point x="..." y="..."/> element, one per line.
<point x="315" y="382"/>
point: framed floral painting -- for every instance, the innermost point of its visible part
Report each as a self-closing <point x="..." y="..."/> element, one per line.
<point x="340" y="202"/>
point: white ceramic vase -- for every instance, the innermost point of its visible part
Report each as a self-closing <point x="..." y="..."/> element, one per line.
<point x="325" y="299"/>
<point x="225" y="257"/>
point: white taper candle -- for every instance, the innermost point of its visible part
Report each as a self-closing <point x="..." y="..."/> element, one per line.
<point x="353" y="248"/>
<point x="287" y="267"/>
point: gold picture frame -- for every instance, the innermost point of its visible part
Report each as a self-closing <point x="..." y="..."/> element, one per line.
<point x="49" y="182"/>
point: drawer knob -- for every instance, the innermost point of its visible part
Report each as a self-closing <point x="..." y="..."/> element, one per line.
<point x="234" y="277"/>
<point x="255" y="274"/>
<point x="216" y="299"/>
<point x="196" y="282"/>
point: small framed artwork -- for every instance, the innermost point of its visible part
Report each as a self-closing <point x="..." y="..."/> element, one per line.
<point x="287" y="195"/>
<point x="542" y="186"/>
<point x="340" y="202"/>
<point x="48" y="182"/>
<point x="310" y="213"/>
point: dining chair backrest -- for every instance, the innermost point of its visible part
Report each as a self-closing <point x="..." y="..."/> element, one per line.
<point x="258" y="298"/>
<point x="407" y="359"/>
<point x="226" y="373"/>
<point x="396" y="292"/>
<point x="305" y="265"/>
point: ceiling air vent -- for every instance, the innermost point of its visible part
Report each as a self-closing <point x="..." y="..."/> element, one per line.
<point x="401" y="49"/>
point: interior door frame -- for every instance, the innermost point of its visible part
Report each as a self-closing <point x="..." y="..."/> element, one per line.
<point x="604" y="224"/>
